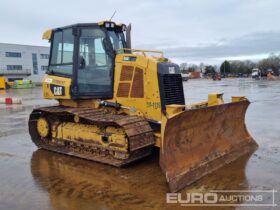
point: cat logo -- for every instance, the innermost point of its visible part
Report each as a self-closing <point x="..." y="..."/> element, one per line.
<point x="57" y="90"/>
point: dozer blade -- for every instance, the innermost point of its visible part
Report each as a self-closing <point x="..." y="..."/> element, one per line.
<point x="197" y="142"/>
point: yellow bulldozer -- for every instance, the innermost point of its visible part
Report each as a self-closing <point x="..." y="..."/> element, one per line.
<point x="3" y="82"/>
<point x="117" y="103"/>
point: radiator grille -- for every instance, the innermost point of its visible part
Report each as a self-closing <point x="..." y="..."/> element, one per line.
<point x="137" y="90"/>
<point x="126" y="73"/>
<point x="123" y="90"/>
<point x="173" y="89"/>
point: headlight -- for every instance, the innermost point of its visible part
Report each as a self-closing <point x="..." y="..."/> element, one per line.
<point x="107" y="25"/>
<point x="112" y="25"/>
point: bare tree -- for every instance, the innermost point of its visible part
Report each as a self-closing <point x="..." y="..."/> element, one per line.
<point x="272" y="62"/>
<point x="183" y="66"/>
<point x="202" y="67"/>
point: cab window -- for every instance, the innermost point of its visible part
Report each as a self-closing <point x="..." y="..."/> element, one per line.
<point x="62" y="52"/>
<point x="95" y="65"/>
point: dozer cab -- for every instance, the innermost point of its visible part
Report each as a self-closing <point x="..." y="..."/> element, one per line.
<point x="117" y="103"/>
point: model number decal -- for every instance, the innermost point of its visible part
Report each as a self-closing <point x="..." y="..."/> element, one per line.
<point x="155" y="105"/>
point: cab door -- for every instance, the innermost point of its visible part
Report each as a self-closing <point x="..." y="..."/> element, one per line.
<point x="95" y="64"/>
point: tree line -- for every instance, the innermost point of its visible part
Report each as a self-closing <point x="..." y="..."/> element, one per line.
<point x="272" y="62"/>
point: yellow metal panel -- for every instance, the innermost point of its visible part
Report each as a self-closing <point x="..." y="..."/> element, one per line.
<point x="50" y="80"/>
<point x="47" y="34"/>
<point x="2" y="83"/>
<point x="101" y="23"/>
<point x="149" y="105"/>
<point x="144" y="52"/>
<point x="77" y="132"/>
<point x="174" y="109"/>
<point x="215" y="99"/>
<point x="237" y="98"/>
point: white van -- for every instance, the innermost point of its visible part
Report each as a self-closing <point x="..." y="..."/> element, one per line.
<point x="255" y="73"/>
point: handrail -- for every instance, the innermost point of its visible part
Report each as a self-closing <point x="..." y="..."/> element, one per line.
<point x="142" y="51"/>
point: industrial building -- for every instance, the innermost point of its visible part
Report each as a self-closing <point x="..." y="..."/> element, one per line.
<point x="23" y="61"/>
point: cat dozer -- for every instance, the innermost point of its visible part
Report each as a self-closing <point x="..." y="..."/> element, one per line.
<point x="115" y="104"/>
<point x="2" y="82"/>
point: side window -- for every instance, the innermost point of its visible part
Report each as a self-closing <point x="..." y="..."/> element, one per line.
<point x="62" y="52"/>
<point x="68" y="46"/>
<point x="56" y="48"/>
<point x="101" y="57"/>
<point x="92" y="51"/>
<point x="117" y="39"/>
<point x="85" y="55"/>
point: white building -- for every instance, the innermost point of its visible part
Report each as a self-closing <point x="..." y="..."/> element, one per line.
<point x="23" y="61"/>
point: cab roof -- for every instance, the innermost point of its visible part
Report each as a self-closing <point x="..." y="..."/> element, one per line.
<point x="48" y="34"/>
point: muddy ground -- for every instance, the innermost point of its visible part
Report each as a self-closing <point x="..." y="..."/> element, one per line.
<point x="38" y="179"/>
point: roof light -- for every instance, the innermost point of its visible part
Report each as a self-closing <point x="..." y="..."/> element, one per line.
<point x="107" y="25"/>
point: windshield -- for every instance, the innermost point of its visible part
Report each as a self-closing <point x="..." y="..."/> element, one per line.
<point x="117" y="39"/>
<point x="62" y="52"/>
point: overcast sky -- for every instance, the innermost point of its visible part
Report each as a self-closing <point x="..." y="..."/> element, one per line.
<point x="188" y="31"/>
